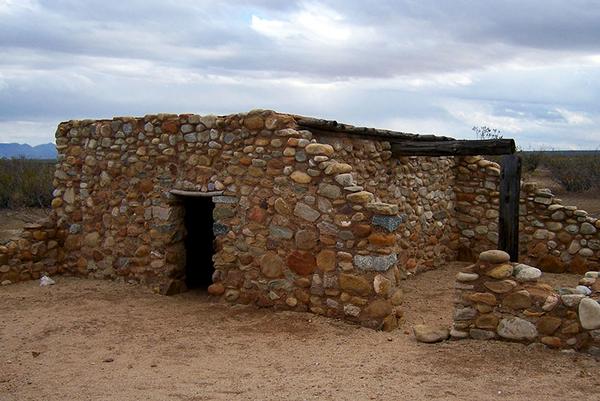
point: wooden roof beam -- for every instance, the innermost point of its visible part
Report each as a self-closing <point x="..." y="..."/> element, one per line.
<point x="454" y="147"/>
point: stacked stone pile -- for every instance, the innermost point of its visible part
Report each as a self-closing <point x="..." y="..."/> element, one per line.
<point x="554" y="237"/>
<point x="497" y="299"/>
<point x="38" y="250"/>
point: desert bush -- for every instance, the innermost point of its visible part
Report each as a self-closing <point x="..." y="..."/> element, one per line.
<point x="577" y="173"/>
<point x="531" y="160"/>
<point x="25" y="183"/>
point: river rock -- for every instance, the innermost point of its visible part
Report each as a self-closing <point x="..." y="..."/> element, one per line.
<point x="466" y="277"/>
<point x="499" y="272"/>
<point x="571" y="300"/>
<point x="500" y="287"/>
<point x="494" y="256"/>
<point x="515" y="328"/>
<point x="589" y="314"/>
<point x="429" y="334"/>
<point x="525" y="273"/>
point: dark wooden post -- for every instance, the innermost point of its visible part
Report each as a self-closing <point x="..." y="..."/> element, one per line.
<point x="508" y="224"/>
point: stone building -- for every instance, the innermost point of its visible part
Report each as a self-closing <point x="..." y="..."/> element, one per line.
<point x="260" y="209"/>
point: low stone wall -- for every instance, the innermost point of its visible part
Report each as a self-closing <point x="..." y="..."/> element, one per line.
<point x="37" y="251"/>
<point x="496" y="299"/>
<point x="554" y="237"/>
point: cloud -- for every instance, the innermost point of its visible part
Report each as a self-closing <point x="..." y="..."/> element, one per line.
<point x="530" y="68"/>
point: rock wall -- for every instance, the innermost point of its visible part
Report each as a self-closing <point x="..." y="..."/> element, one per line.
<point x="299" y="223"/>
<point x="325" y="223"/>
<point x="496" y="299"/>
<point x="554" y="237"/>
<point x="38" y="250"/>
<point x="423" y="187"/>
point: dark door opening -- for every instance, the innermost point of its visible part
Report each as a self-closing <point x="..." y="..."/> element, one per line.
<point x="199" y="242"/>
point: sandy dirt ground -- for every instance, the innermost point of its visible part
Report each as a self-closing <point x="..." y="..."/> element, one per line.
<point x="101" y="340"/>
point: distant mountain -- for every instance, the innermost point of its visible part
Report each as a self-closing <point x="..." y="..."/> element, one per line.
<point x="45" y="151"/>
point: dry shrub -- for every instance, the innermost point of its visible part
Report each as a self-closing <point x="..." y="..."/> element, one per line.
<point x="25" y="183"/>
<point x="577" y="173"/>
<point x="531" y="160"/>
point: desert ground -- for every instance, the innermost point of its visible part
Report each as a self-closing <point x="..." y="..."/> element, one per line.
<point x="101" y="340"/>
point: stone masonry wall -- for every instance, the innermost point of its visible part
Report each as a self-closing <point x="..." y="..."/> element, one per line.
<point x="422" y="186"/>
<point x="38" y="250"/>
<point x="553" y="237"/>
<point x="328" y="224"/>
<point x="300" y="224"/>
<point x="496" y="299"/>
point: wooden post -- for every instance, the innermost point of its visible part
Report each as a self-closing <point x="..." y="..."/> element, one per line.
<point x="508" y="224"/>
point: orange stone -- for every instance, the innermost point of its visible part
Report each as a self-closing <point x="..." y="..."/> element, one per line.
<point x="326" y="260"/>
<point x="578" y="265"/>
<point x="146" y="185"/>
<point x="302" y="262"/>
<point x="553" y="342"/>
<point x="170" y="127"/>
<point x="551" y="264"/>
<point x="483" y="298"/>
<point x="361" y="230"/>
<point x="380" y="239"/>
<point x="257" y="214"/>
<point x="216" y="289"/>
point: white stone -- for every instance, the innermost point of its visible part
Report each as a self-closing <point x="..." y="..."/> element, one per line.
<point x="582" y="289"/>
<point x="523" y="273"/>
<point x="589" y="314"/>
<point x="571" y="300"/>
<point x="465" y="277"/>
<point x="515" y="328"/>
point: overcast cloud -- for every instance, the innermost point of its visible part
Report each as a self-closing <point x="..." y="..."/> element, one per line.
<point x="529" y="68"/>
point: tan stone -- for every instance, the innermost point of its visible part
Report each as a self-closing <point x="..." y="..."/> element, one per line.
<point x="501" y="271"/>
<point x="282" y="207"/>
<point x="487" y="321"/>
<point x="360" y="197"/>
<point x="397" y="297"/>
<point x="390" y="323"/>
<point x="355" y="284"/>
<point x="548" y="324"/>
<point x="494" y="256"/>
<point x="338" y="168"/>
<point x="300" y="177"/>
<point x="500" y="287"/>
<point x="483" y="297"/>
<point x="271" y="265"/>
<point x="376" y="310"/>
<point x="56" y="203"/>
<point x="553" y="342"/>
<point x="517" y="300"/>
<point x="306" y="239"/>
<point x="319" y="149"/>
<point x="326" y="260"/>
<point x="254" y="122"/>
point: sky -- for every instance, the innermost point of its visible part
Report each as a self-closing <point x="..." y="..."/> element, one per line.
<point x="530" y="68"/>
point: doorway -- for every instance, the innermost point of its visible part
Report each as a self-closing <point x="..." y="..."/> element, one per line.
<point x="199" y="241"/>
